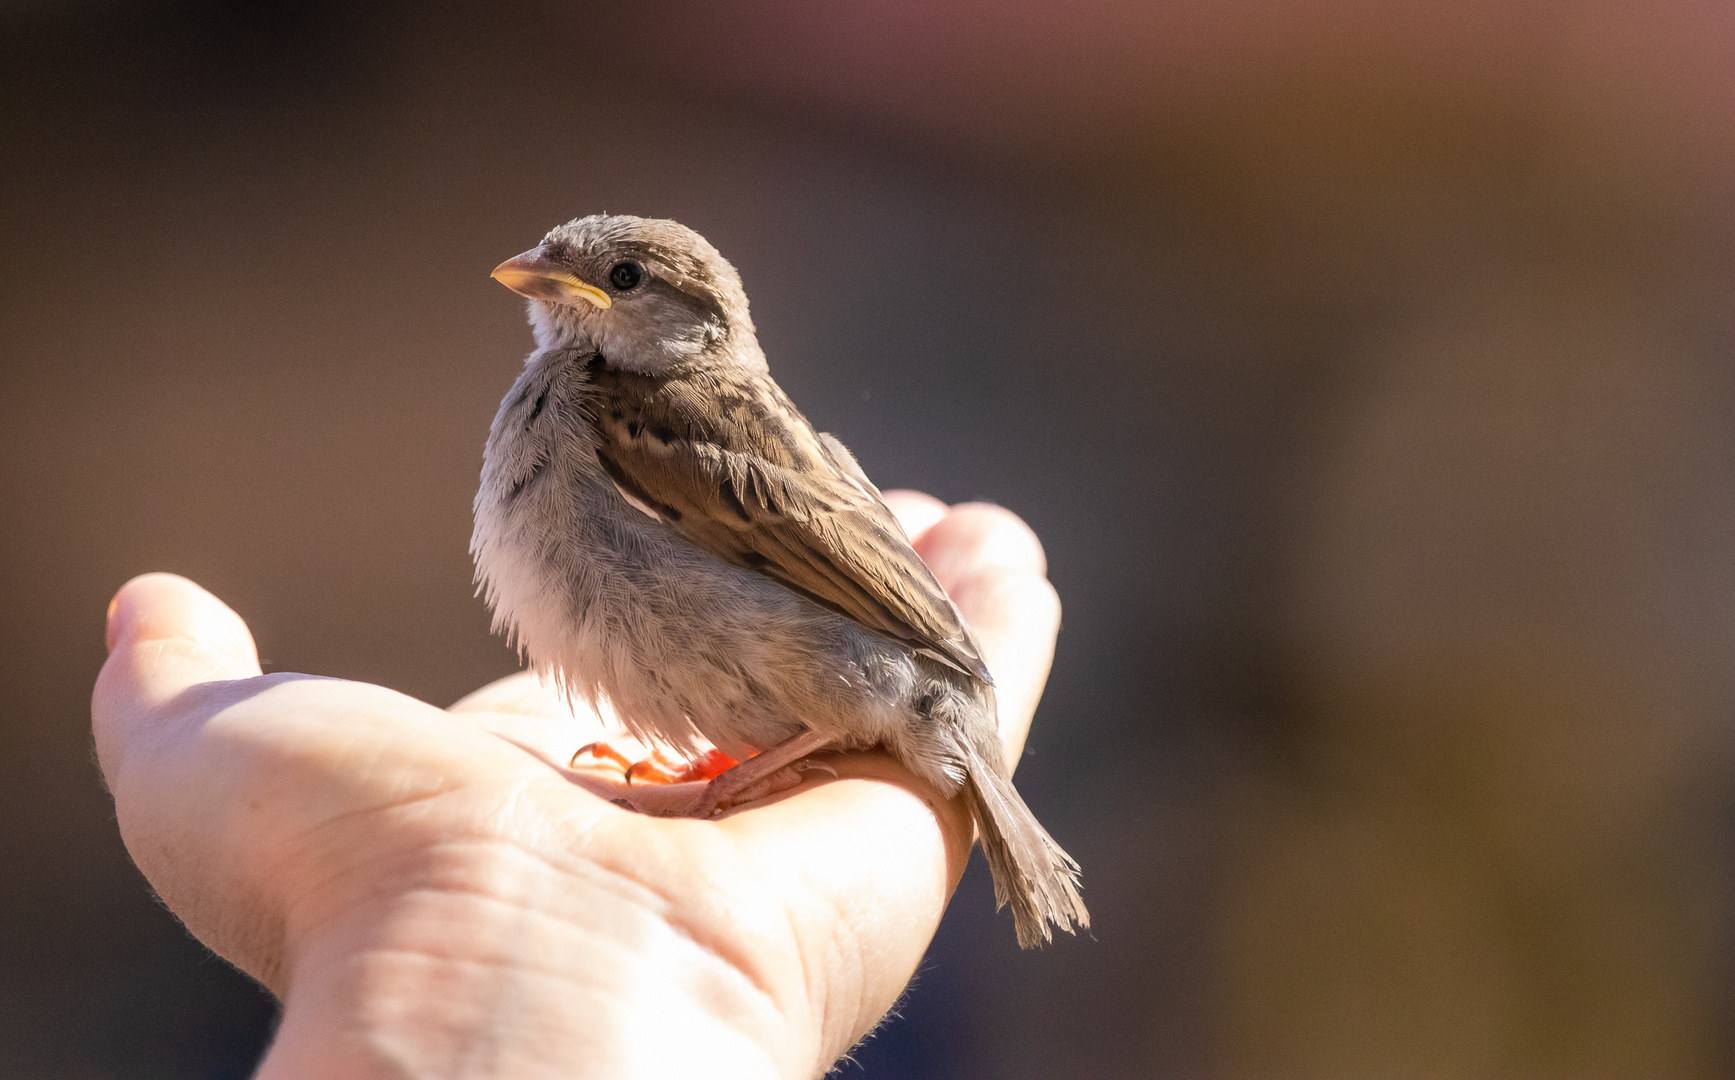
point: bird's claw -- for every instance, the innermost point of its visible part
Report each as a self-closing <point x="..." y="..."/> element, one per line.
<point x="656" y="769"/>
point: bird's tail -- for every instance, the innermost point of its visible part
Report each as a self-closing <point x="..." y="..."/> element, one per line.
<point x="1031" y="872"/>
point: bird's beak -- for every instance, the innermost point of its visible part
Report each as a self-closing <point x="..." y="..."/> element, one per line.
<point x="539" y="277"/>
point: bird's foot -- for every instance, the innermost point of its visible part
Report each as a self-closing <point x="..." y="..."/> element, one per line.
<point x="779" y="768"/>
<point x="726" y="782"/>
<point x="720" y="796"/>
<point x="659" y="768"/>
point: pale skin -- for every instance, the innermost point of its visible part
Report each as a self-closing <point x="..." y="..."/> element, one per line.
<point x="434" y="893"/>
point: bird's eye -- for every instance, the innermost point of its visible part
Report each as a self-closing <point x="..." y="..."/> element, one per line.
<point x="626" y="276"/>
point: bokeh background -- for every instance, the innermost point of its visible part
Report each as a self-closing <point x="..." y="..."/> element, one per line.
<point x="1365" y="366"/>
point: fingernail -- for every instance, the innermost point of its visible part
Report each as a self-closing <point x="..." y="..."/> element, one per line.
<point x="111" y="627"/>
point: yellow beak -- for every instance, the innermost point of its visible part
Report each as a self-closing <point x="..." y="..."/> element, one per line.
<point x="539" y="277"/>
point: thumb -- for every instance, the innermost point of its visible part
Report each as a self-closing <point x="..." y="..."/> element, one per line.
<point x="165" y="636"/>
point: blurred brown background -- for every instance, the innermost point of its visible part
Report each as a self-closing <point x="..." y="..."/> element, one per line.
<point x="1364" y="366"/>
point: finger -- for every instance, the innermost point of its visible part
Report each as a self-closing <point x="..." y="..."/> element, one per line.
<point x="165" y="635"/>
<point x="973" y="536"/>
<point x="917" y="512"/>
<point x="157" y="607"/>
<point x="1016" y="614"/>
<point x="993" y="566"/>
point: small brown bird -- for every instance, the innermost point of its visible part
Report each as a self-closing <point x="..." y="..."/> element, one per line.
<point x="659" y="526"/>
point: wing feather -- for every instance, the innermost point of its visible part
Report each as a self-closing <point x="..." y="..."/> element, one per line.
<point x="731" y="465"/>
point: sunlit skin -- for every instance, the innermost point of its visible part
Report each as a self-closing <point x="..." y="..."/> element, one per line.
<point x="435" y="893"/>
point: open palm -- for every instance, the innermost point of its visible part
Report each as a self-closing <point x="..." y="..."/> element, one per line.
<point x="433" y="893"/>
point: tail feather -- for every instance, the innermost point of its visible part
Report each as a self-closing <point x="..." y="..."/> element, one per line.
<point x="1030" y="870"/>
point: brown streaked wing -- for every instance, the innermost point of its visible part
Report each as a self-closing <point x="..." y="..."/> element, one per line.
<point x="739" y="472"/>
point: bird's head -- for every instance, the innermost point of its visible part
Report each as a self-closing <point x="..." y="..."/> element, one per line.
<point x="651" y="296"/>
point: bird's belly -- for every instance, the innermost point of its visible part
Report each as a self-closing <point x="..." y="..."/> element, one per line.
<point x="619" y="604"/>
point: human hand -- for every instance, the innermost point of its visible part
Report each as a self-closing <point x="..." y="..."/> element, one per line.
<point x="434" y="893"/>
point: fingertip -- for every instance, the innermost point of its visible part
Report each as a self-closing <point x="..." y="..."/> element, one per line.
<point x="917" y="511"/>
<point x="1002" y="604"/>
<point x="130" y="603"/>
<point x="158" y="606"/>
<point x="977" y="536"/>
<point x="166" y="635"/>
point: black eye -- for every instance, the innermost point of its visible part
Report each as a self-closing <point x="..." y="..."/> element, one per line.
<point x="626" y="275"/>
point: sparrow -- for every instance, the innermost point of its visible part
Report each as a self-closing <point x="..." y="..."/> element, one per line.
<point x="658" y="526"/>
